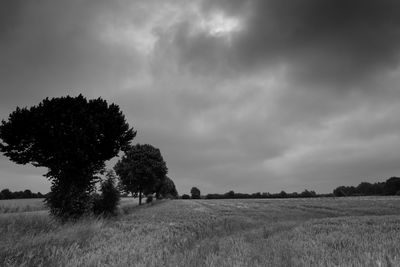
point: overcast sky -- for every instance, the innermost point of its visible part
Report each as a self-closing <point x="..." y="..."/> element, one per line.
<point x="243" y="95"/>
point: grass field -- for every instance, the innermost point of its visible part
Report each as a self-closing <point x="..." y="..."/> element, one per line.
<point x="21" y="205"/>
<point x="37" y="204"/>
<point x="289" y="232"/>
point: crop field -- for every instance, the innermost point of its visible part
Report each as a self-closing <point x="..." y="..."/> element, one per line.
<point x="255" y="232"/>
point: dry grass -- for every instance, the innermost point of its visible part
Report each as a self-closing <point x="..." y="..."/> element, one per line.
<point x="21" y="205"/>
<point x="295" y="232"/>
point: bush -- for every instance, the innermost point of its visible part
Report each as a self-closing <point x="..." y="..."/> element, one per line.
<point x="149" y="199"/>
<point x="185" y="196"/>
<point x="68" y="204"/>
<point x="107" y="202"/>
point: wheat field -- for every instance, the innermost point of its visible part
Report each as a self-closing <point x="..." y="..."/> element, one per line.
<point x="361" y="231"/>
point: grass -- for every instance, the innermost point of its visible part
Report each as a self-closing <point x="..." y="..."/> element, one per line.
<point x="293" y="232"/>
<point x="37" y="204"/>
<point x="21" y="205"/>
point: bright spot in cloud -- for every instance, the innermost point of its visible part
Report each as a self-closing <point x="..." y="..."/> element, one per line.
<point x="220" y="25"/>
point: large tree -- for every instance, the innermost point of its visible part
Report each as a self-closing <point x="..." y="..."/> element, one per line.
<point x="72" y="137"/>
<point x="141" y="170"/>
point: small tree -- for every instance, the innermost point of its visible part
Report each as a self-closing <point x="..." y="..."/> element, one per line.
<point x="195" y="192"/>
<point x="106" y="203"/>
<point x="72" y="137"/>
<point x="167" y="189"/>
<point x="141" y="170"/>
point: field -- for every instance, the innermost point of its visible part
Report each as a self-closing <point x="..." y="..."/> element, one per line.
<point x="21" y="205"/>
<point x="288" y="232"/>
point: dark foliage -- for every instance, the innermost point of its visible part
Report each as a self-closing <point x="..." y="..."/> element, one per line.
<point x="149" y="199"/>
<point x="7" y="194"/>
<point x="392" y="186"/>
<point x="141" y="170"/>
<point x="232" y="195"/>
<point x="72" y="137"/>
<point x="107" y="202"/>
<point x="388" y="188"/>
<point x="167" y="189"/>
<point x="69" y="203"/>
<point x="185" y="196"/>
<point x="307" y="193"/>
<point x="195" y="192"/>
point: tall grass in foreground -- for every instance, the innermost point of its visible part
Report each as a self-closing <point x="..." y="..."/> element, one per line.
<point x="38" y="240"/>
<point x="212" y="233"/>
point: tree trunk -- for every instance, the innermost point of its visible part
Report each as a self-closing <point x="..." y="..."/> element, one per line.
<point x="140" y="197"/>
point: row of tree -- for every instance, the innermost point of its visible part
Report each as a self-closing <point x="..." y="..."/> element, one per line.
<point x="7" y="194"/>
<point x="73" y="138"/>
<point x="232" y="195"/>
<point x="195" y="194"/>
<point x="390" y="187"/>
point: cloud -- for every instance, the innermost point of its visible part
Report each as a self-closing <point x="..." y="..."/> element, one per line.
<point x="245" y="95"/>
<point x="338" y="44"/>
<point x="55" y="48"/>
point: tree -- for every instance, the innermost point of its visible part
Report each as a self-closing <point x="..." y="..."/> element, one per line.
<point x="230" y="194"/>
<point x="72" y="137"/>
<point x="195" y="192"/>
<point x="392" y="186"/>
<point x="307" y="193"/>
<point x="167" y="189"/>
<point x="6" y="194"/>
<point x="282" y="194"/>
<point x="27" y="194"/>
<point x="141" y="170"/>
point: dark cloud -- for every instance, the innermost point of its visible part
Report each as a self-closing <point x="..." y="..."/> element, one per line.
<point x="337" y="43"/>
<point x="244" y="95"/>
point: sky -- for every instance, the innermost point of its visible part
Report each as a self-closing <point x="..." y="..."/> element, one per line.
<point x="243" y="95"/>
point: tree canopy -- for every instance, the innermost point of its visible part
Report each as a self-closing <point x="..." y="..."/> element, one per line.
<point x="141" y="170"/>
<point x="390" y="187"/>
<point x="167" y="189"/>
<point x="72" y="137"/>
<point x="195" y="192"/>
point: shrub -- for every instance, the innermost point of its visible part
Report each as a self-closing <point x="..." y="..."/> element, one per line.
<point x="149" y="199"/>
<point x="107" y="202"/>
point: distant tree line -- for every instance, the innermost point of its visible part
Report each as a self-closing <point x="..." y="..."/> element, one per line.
<point x="388" y="188"/>
<point x="232" y="195"/>
<point x="7" y="194"/>
<point x="195" y="194"/>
